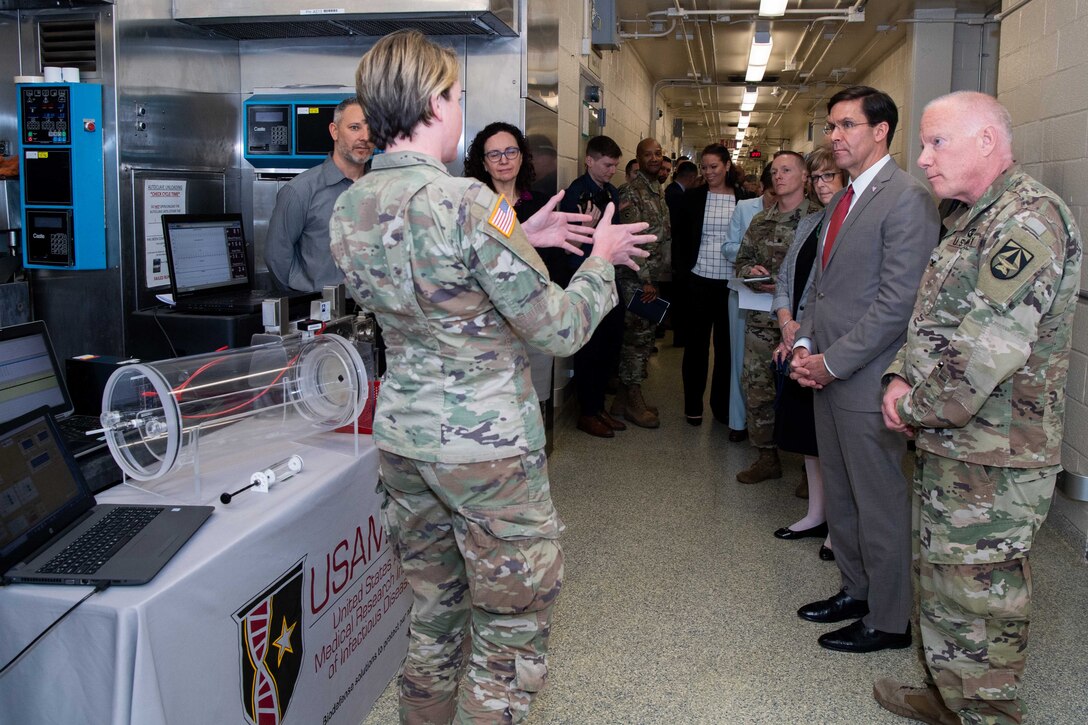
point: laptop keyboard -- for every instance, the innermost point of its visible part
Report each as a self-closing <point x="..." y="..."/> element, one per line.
<point x="89" y="552"/>
<point x="80" y="424"/>
<point x="224" y="304"/>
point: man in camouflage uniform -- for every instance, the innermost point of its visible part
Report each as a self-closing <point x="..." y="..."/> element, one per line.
<point x="461" y="295"/>
<point x="641" y="201"/>
<point x="761" y="252"/>
<point x="980" y="386"/>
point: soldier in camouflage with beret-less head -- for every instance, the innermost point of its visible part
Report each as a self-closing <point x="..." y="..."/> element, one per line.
<point x="461" y="295"/>
<point x="980" y="385"/>
<point x="641" y="201"/>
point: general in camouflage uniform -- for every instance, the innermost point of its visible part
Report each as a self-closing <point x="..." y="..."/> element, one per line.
<point x="980" y="382"/>
<point x="460" y="295"/>
<point x="641" y="200"/>
<point x="766" y="242"/>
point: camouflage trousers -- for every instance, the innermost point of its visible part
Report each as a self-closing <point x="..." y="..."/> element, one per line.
<point x="759" y="344"/>
<point x="973" y="528"/>
<point x="477" y="542"/>
<point x="638" y="333"/>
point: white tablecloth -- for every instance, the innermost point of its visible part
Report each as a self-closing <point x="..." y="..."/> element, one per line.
<point x="173" y="651"/>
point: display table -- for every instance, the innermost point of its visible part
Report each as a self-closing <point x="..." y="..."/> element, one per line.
<point x="288" y="606"/>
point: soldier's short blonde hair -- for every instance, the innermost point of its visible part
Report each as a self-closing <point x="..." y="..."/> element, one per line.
<point x="396" y="80"/>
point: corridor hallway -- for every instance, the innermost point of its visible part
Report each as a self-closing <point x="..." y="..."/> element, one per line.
<point x="678" y="605"/>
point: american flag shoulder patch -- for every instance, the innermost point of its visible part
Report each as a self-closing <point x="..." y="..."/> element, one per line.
<point x="503" y="217"/>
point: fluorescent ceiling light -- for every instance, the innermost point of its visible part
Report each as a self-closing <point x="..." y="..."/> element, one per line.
<point x="740" y="135"/>
<point x="748" y="100"/>
<point x="772" y="8"/>
<point x="745" y="119"/>
<point x="760" y="55"/>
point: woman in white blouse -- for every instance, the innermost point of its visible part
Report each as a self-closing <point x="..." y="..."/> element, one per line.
<point x="703" y="273"/>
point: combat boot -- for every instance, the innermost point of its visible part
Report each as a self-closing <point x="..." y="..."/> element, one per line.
<point x="635" y="409"/>
<point x="766" y="467"/>
<point x="917" y="703"/>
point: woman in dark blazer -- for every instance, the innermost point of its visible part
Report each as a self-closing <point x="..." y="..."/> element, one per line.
<point x="794" y="422"/>
<point x="703" y="273"/>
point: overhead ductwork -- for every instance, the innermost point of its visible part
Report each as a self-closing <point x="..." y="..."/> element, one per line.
<point x="269" y="19"/>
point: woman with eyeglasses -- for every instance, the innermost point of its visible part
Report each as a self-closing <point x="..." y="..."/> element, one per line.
<point x="500" y="157"/>
<point x="794" y="423"/>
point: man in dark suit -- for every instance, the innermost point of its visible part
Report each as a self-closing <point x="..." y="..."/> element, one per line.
<point x="878" y="235"/>
<point x="682" y="180"/>
<point x="589" y="194"/>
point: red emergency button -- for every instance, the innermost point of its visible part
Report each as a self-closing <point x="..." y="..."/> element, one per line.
<point x="88" y="126"/>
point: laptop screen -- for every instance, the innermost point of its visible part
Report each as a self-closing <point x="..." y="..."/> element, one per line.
<point x="29" y="374"/>
<point x="39" y="492"/>
<point x="206" y="252"/>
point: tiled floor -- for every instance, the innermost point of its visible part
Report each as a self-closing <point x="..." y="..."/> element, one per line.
<point x="678" y="604"/>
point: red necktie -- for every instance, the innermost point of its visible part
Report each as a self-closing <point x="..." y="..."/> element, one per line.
<point x="836" y="221"/>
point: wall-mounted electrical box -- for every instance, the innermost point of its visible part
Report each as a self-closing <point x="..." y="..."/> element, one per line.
<point x="288" y="131"/>
<point x="61" y="165"/>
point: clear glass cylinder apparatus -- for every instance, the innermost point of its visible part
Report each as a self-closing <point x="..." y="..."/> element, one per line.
<point x="162" y="415"/>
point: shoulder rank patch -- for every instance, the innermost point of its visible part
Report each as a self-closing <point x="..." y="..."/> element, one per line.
<point x="1010" y="260"/>
<point x="503" y="217"/>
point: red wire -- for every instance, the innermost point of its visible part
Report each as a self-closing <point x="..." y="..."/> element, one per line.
<point x="254" y="399"/>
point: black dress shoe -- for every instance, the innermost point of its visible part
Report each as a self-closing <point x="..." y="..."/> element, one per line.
<point x="694" y="419"/>
<point x="826" y="554"/>
<point x="836" y="609"/>
<point x="736" y="436"/>
<point x="789" y="534"/>
<point x="857" y="637"/>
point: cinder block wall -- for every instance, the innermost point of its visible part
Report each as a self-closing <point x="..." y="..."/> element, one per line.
<point x="1041" y="79"/>
<point x="893" y="76"/>
<point x="627" y="90"/>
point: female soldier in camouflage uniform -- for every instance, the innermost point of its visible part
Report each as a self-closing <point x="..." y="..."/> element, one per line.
<point x="461" y="295"/>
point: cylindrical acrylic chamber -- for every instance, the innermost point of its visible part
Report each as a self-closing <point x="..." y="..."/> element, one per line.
<point x="157" y="415"/>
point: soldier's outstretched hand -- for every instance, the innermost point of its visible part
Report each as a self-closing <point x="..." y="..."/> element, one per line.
<point x="618" y="243"/>
<point x="551" y="228"/>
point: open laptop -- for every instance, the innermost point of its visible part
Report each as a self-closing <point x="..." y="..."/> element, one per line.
<point x="209" y="273"/>
<point x="30" y="377"/>
<point x="51" y="530"/>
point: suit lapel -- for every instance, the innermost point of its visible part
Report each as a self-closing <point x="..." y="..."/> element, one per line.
<point x="867" y="195"/>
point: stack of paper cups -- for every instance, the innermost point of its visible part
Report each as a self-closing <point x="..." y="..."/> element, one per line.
<point x="70" y="75"/>
<point x="52" y="74"/>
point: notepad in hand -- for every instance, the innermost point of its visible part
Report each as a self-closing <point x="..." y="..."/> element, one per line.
<point x="652" y="311"/>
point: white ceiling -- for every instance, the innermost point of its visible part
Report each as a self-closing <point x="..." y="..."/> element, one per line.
<point x="702" y="58"/>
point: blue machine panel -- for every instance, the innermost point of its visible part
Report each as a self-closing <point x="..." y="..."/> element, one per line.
<point x="288" y="131"/>
<point x="61" y="165"/>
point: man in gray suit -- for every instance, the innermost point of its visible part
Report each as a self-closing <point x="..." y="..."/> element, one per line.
<point x="878" y="234"/>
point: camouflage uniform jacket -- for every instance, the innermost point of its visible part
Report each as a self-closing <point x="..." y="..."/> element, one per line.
<point x="459" y="303"/>
<point x="646" y="204"/>
<point x="987" y="347"/>
<point x="766" y="242"/>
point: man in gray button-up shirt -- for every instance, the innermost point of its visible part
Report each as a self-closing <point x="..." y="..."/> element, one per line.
<point x="297" y="243"/>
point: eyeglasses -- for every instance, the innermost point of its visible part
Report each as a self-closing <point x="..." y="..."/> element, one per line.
<point x="511" y="153"/>
<point x="846" y="126"/>
<point x="826" y="177"/>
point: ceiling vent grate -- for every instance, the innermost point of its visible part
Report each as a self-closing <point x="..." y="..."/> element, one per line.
<point x="68" y="43"/>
